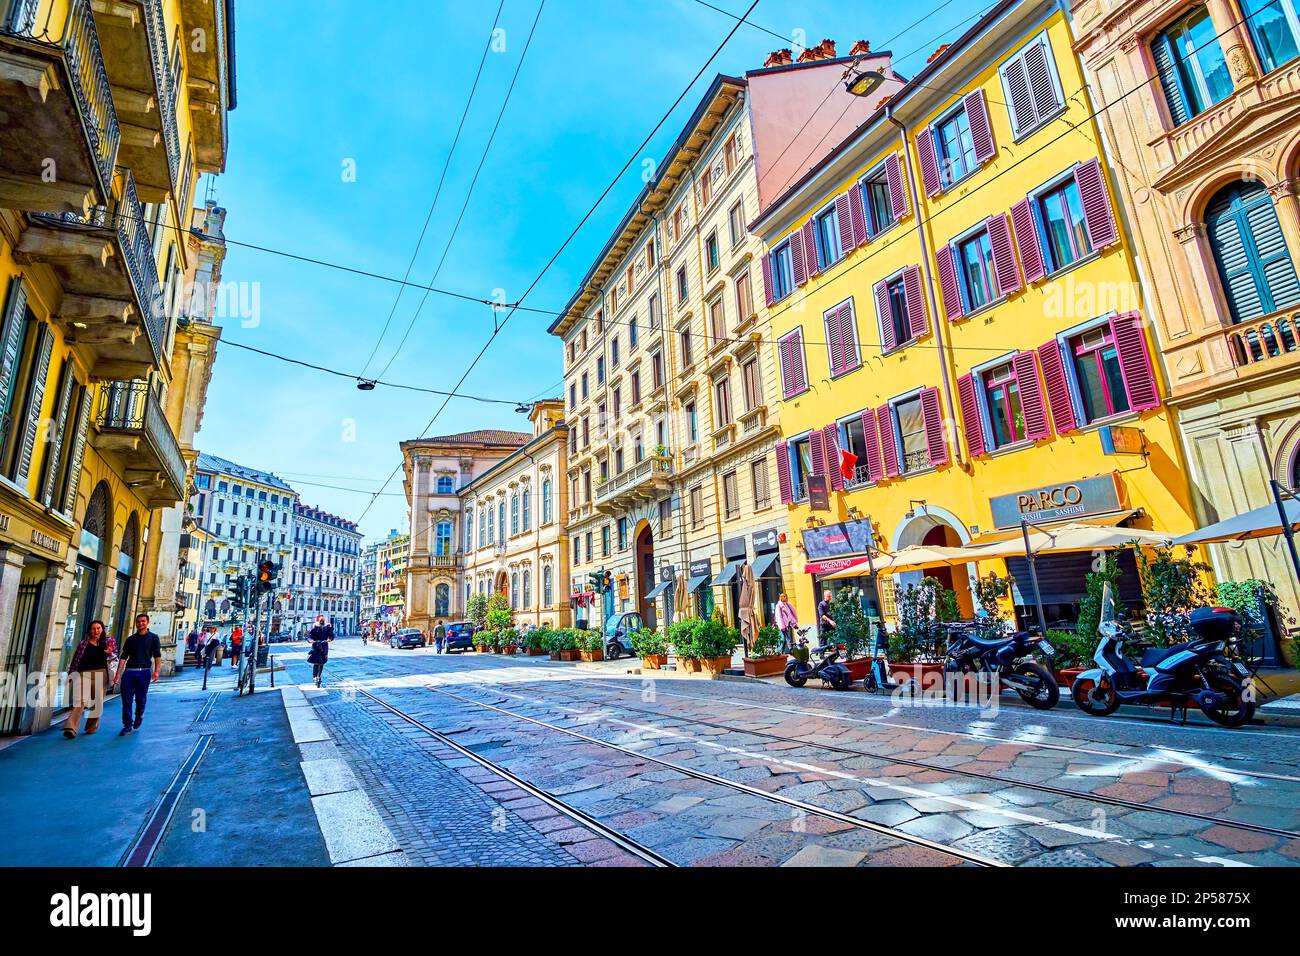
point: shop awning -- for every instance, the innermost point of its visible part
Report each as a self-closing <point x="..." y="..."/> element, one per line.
<point x="694" y="583"/>
<point x="728" y="573"/>
<point x="658" y="589"/>
<point x="763" y="563"/>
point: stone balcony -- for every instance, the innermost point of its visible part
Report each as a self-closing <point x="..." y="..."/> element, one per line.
<point x="130" y="423"/>
<point x="646" y="480"/>
<point x="1265" y="343"/>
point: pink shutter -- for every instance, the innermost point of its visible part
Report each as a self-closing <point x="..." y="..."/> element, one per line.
<point x="798" y="368"/>
<point x="970" y="415"/>
<point x="1025" y="365"/>
<point x="858" y="215"/>
<point x="1004" y="259"/>
<point x="887" y="339"/>
<point x="1134" y="361"/>
<point x="915" y="307"/>
<point x="894" y="179"/>
<point x="929" y="162"/>
<point x="981" y="133"/>
<point x="849" y="337"/>
<point x="1031" y="253"/>
<point x="1096" y="204"/>
<point x="785" y="350"/>
<point x="817" y="452"/>
<point x="1058" y="387"/>
<point x="935" y="443"/>
<point x="952" y="305"/>
<point x="783" y="472"/>
<point x="797" y="261"/>
<point x="844" y="220"/>
<point x="888" y="441"/>
<point x="767" y="279"/>
<point x="810" y="259"/>
<point x="832" y="439"/>
<point x="871" y="433"/>
<point x="835" y="341"/>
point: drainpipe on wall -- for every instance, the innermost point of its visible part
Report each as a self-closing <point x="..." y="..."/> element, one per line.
<point x="929" y="286"/>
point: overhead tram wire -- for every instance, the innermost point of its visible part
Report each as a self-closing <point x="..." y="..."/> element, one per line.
<point x="469" y="193"/>
<point x="576" y="229"/>
<point x="442" y="178"/>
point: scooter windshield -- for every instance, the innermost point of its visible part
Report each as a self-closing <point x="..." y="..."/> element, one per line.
<point x="1108" y="626"/>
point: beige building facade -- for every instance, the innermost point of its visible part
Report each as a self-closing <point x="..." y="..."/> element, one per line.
<point x="1198" y="105"/>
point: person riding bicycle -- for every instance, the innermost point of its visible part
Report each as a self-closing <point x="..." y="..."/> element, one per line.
<point x="321" y="635"/>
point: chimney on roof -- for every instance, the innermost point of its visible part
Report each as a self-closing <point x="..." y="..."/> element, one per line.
<point x="778" y="58"/>
<point x="822" y="51"/>
<point x="861" y="48"/>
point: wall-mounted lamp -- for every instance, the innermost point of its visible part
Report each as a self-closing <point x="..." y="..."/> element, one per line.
<point x="854" y="514"/>
<point x="912" y="508"/>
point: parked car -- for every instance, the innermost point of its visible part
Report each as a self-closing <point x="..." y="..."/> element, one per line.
<point x="618" y="630"/>
<point x="460" y="636"/>
<point x="407" y="637"/>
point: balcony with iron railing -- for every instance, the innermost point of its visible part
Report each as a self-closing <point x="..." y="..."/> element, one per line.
<point x="1266" y="342"/>
<point x="129" y="422"/>
<point x="645" y="480"/>
<point x="59" y="114"/>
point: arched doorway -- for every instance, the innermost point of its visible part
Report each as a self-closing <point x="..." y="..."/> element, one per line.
<point x="503" y="584"/>
<point x="937" y="528"/>
<point x="645" y="573"/>
<point x="120" y="611"/>
<point x="84" y="602"/>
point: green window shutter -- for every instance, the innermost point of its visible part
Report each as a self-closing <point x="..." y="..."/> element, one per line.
<point x="35" y="397"/>
<point x="54" y="457"/>
<point x="1166" y="60"/>
<point x="12" y="328"/>
<point x="69" y="503"/>
<point x="1254" y="263"/>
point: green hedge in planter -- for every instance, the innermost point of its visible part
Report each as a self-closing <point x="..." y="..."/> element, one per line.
<point x="561" y="640"/>
<point x="647" y="642"/>
<point x="535" y="640"/>
<point x="767" y="642"/>
<point x="699" y="638"/>
<point x="589" y="641"/>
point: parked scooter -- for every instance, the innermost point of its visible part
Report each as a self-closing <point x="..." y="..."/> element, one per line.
<point x="818" y="662"/>
<point x="1204" y="670"/>
<point x="1005" y="658"/>
<point x="877" y="679"/>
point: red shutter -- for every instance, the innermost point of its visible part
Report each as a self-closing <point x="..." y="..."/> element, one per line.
<point x="1058" y="388"/>
<point x="887" y="339"/>
<point x="929" y="162"/>
<point x="894" y="179"/>
<point x="952" y="306"/>
<point x="1095" y="199"/>
<point x="1134" y="361"/>
<point x="981" y="133"/>
<point x="858" y="215"/>
<point x="935" y="443"/>
<point x="832" y="440"/>
<point x="844" y="220"/>
<point x="1031" y="253"/>
<point x="767" y="278"/>
<point x="888" y="441"/>
<point x="783" y="473"/>
<point x="970" y="415"/>
<point x="915" y="307"/>
<point x="817" y="452"/>
<point x="797" y="261"/>
<point x="1025" y="365"/>
<point x="871" y="434"/>
<point x="1004" y="259"/>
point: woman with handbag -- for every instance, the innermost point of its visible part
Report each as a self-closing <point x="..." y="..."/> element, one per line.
<point x="88" y="680"/>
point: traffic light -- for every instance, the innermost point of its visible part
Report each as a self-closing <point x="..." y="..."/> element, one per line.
<point x="606" y="582"/>
<point x="597" y="580"/>
<point x="235" y="588"/>
<point x="266" y="575"/>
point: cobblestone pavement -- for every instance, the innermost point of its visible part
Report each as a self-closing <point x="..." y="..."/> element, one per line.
<point x="988" y="782"/>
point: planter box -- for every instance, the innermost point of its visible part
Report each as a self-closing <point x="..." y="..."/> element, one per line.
<point x="482" y="648"/>
<point x="1066" y="675"/>
<point x="690" y="665"/>
<point x="590" y="656"/>
<point x="512" y="649"/>
<point x="564" y="656"/>
<point x="654" y="661"/>
<point x="927" y="675"/>
<point x="714" y="666"/>
<point x="536" y="651"/>
<point x="858" y="668"/>
<point x="765" y="666"/>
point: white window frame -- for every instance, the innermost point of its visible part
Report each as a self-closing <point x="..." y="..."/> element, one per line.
<point x="1046" y="41"/>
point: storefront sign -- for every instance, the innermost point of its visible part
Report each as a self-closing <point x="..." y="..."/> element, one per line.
<point x="768" y="540"/>
<point x="702" y="568"/>
<point x="819" y="493"/>
<point x="841" y="538"/>
<point x="1073" y="499"/>
<point x="1122" y="440"/>
<point x="42" y="540"/>
<point x="829" y="567"/>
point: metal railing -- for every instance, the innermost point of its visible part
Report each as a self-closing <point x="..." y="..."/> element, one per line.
<point x="655" y="466"/>
<point x="156" y="32"/>
<point x="88" y="77"/>
<point x="132" y="407"/>
<point x="1263" y="339"/>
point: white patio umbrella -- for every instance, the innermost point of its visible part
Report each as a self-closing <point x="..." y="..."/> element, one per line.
<point x="1068" y="538"/>
<point x="1262" y="522"/>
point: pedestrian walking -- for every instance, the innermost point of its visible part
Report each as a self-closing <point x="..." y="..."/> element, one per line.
<point x="825" y="623"/>
<point x="140" y="666"/>
<point x="236" y="645"/>
<point x="321" y="635"/>
<point x="439" y="637"/>
<point x="787" y="622"/>
<point x="88" y="681"/>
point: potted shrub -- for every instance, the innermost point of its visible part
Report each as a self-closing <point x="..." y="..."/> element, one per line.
<point x="766" y="658"/>
<point x="508" y="640"/>
<point x="484" y="641"/>
<point x="591" y="646"/>
<point x="681" y="635"/>
<point x="706" y="646"/>
<point x="917" y="648"/>
<point x="853" y="630"/>
<point x="476" y="608"/>
<point x="563" y="645"/>
<point x="651" y="646"/>
<point x="535" y="641"/>
<point x="1074" y="652"/>
<point x="1264" y="618"/>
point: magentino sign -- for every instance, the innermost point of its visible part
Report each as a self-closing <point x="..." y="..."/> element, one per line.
<point x="1059" y="502"/>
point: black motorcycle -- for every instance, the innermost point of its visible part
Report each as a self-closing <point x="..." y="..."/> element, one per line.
<point x="1001" y="661"/>
<point x="818" y="662"/>
<point x="1204" y="670"/>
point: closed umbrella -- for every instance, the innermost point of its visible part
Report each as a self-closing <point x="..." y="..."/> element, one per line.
<point x="681" y="597"/>
<point x="748" y="622"/>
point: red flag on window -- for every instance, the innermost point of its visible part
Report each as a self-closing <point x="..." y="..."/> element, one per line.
<point x="848" y="464"/>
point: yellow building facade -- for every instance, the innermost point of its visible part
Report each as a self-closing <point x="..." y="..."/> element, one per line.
<point x="958" y="326"/>
<point x="111" y="114"/>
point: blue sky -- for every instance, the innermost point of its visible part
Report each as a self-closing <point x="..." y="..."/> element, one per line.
<point x="325" y="87"/>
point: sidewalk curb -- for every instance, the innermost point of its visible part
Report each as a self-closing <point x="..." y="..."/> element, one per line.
<point x="354" y="832"/>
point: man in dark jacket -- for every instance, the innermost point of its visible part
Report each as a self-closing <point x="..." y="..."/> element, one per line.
<point x="321" y="635"/>
<point x="141" y="655"/>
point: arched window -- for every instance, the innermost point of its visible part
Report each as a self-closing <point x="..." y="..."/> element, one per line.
<point x="528" y="509"/>
<point x="546" y="586"/>
<point x="442" y="600"/>
<point x="528" y="589"/>
<point x="546" y="501"/>
<point x="1255" y="266"/>
<point x="514" y="590"/>
<point x="445" y="486"/>
<point x="514" y="513"/>
<point x="442" y="539"/>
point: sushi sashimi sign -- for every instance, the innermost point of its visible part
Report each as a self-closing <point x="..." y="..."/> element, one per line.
<point x="1072" y="499"/>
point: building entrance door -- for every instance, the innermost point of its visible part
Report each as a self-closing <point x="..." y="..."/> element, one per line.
<point x="645" y="566"/>
<point x="18" y="659"/>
